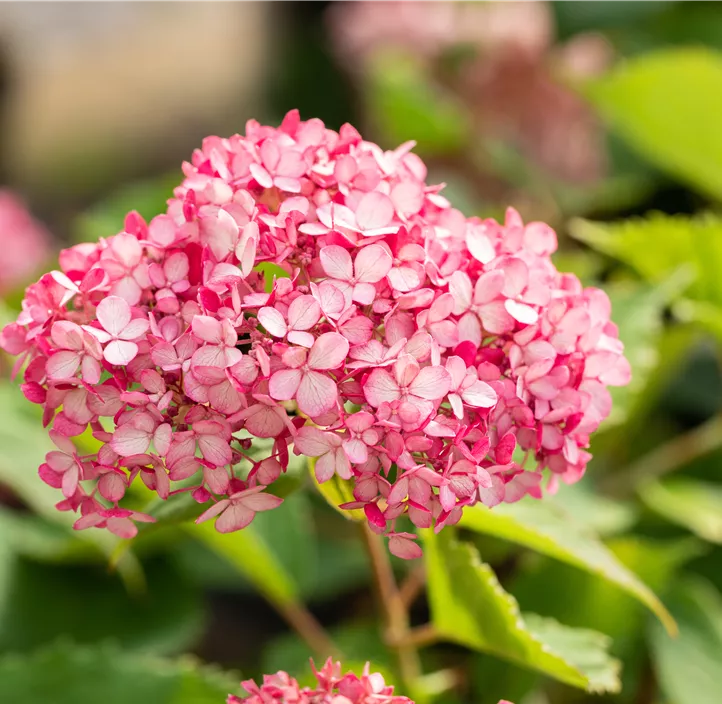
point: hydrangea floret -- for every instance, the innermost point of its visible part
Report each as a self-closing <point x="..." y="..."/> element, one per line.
<point x="432" y="360"/>
<point x="332" y="688"/>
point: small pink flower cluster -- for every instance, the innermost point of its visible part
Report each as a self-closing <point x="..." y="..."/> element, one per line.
<point x="333" y="688"/>
<point x="407" y="348"/>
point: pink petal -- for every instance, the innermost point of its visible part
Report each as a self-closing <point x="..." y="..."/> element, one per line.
<point x="431" y="383"/>
<point x="273" y="321"/>
<point x="114" y="314"/>
<point x="264" y="421"/>
<point x="283" y="384"/>
<point x="381" y="387"/>
<point x="207" y="329"/>
<point x="404" y="279"/>
<point x="325" y="467"/>
<point x="480" y="246"/>
<point x="356" y="450"/>
<point x="328" y="352"/>
<point x="408" y="197"/>
<point x="213" y="511"/>
<point x="374" y="210"/>
<point x="120" y="352"/>
<point x="364" y="294"/>
<point x="235" y="517"/>
<point x="521" y="312"/>
<point x="63" y="364"/>
<point x="461" y="291"/>
<point x="303" y="313"/>
<point x="372" y="264"/>
<point x="404" y="548"/>
<point x="316" y="394"/>
<point x="129" y="440"/>
<point x="336" y="262"/>
<point x="112" y="487"/>
<point x="313" y="442"/>
<point x="480" y="394"/>
<point x="261" y="502"/>
<point x="122" y="527"/>
<point x="134" y="329"/>
<point x="215" y="449"/>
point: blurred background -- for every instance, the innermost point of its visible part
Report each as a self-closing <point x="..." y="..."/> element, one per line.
<point x="601" y="118"/>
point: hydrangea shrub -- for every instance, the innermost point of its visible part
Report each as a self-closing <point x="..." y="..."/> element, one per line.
<point x="308" y="287"/>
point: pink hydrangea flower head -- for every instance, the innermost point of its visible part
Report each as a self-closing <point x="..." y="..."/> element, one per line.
<point x="309" y="292"/>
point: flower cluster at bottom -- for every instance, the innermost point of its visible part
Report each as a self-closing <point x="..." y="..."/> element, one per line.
<point x="332" y="688"/>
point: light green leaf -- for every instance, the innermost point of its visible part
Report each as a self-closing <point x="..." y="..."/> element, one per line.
<point x="469" y="607"/>
<point x="71" y="674"/>
<point x="657" y="245"/>
<point x="688" y="667"/>
<point x="271" y="272"/>
<point x="590" y="508"/>
<point x="585" y="649"/>
<point x="691" y="503"/>
<point x="667" y="104"/>
<point x="546" y="528"/>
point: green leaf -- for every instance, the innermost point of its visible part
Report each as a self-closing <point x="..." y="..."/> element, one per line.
<point x="89" y="605"/>
<point x="336" y="491"/>
<point x="469" y="607"/>
<point x="666" y="104"/>
<point x="407" y="104"/>
<point x="691" y="503"/>
<point x="250" y="555"/>
<point x="24" y="444"/>
<point x="638" y="311"/>
<point x="688" y="667"/>
<point x="69" y="674"/>
<point x="588" y="507"/>
<point x="545" y="528"/>
<point x="585" y="649"/>
<point x="657" y="245"/>
<point x="271" y="272"/>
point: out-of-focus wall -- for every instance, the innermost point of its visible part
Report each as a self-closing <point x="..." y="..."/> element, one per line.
<point x="100" y="90"/>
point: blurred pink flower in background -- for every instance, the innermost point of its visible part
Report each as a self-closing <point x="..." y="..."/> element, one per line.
<point x="25" y="244"/>
<point x="514" y="82"/>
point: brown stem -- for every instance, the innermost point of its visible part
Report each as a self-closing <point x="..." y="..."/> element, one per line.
<point x="309" y="629"/>
<point x="411" y="587"/>
<point x="396" y="616"/>
<point x="665" y="458"/>
<point x="418" y="637"/>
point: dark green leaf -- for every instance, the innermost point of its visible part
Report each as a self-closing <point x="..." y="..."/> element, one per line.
<point x="688" y="667"/>
<point x="71" y="674"/>
<point x="89" y="605"/>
